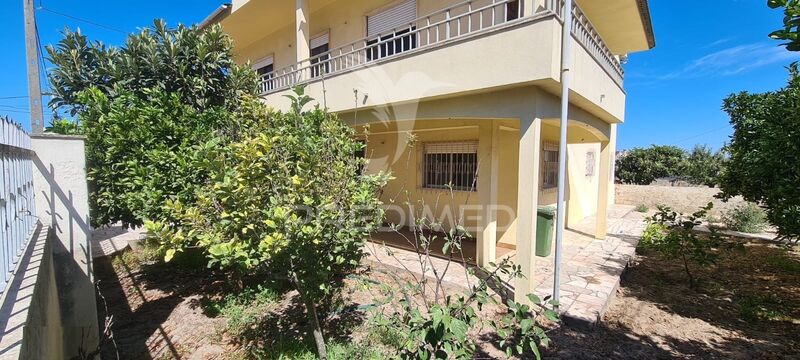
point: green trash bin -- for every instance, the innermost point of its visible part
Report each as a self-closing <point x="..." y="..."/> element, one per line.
<point x="545" y="217"/>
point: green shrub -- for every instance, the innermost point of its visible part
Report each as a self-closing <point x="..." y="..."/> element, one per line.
<point x="642" y="166"/>
<point x="672" y="235"/>
<point x="746" y="218"/>
<point x="642" y="208"/>
<point x="147" y="109"/>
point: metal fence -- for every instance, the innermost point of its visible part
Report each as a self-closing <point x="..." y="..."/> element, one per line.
<point x="17" y="206"/>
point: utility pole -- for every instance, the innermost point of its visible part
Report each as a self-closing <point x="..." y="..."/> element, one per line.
<point x="32" y="60"/>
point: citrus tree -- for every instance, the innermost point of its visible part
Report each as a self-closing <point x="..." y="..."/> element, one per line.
<point x="288" y="200"/>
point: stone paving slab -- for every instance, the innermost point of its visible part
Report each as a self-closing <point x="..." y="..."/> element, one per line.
<point x="591" y="268"/>
<point x="113" y="239"/>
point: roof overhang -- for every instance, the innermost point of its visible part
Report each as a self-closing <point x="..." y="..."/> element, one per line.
<point x="625" y="25"/>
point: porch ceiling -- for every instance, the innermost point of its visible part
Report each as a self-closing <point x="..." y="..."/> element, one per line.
<point x="625" y="25"/>
<point x="255" y="19"/>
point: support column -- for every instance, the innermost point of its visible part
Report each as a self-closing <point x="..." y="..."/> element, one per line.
<point x="488" y="173"/>
<point x="530" y="132"/>
<point x="604" y="178"/>
<point x="301" y="29"/>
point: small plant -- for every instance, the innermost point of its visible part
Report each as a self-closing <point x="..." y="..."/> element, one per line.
<point x="672" y="235"/>
<point x="244" y="310"/>
<point x="752" y="307"/>
<point x="747" y="218"/>
<point x="642" y="208"/>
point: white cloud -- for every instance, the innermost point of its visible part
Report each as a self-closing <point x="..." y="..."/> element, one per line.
<point x="732" y="61"/>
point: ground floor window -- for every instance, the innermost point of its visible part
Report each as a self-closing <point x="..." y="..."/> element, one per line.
<point x="450" y="164"/>
<point x="549" y="165"/>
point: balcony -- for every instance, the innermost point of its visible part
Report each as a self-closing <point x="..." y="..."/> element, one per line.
<point x="435" y="30"/>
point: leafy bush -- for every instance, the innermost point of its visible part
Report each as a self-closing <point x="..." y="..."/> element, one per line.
<point x="195" y="64"/>
<point x="672" y="235"/>
<point x="142" y="151"/>
<point x="283" y="200"/>
<point x="702" y="167"/>
<point x="747" y="218"/>
<point x="148" y="109"/>
<point x="764" y="165"/>
<point x="642" y="166"/>
<point x="64" y="127"/>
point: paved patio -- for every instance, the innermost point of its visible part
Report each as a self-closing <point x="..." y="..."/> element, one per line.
<point x="590" y="273"/>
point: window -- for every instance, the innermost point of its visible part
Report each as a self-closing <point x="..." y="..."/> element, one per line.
<point x="392" y="31"/>
<point x="264" y="68"/>
<point x="396" y="43"/>
<point x="549" y="166"/>
<point x="447" y="164"/>
<point x="590" y="163"/>
<point x="512" y="10"/>
<point x="319" y="46"/>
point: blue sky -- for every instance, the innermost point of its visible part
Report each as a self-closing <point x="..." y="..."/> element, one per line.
<point x="705" y="51"/>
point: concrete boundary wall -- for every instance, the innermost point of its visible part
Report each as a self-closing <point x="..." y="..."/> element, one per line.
<point x="682" y="199"/>
<point x="53" y="310"/>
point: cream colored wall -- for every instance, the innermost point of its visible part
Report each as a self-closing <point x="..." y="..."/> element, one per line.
<point x="582" y="200"/>
<point x="391" y="148"/>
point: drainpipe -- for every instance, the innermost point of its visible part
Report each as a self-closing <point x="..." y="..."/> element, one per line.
<point x="566" y="57"/>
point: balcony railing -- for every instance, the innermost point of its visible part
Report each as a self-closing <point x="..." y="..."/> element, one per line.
<point x="429" y="31"/>
<point x="586" y="35"/>
<point x="16" y="196"/>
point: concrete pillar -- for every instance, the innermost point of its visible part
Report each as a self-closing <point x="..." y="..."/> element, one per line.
<point x="603" y="190"/>
<point x="530" y="132"/>
<point x="302" y="13"/>
<point x="488" y="173"/>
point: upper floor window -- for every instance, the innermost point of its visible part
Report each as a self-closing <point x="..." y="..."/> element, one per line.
<point x="513" y="10"/>
<point x="264" y="69"/>
<point x="319" y="48"/>
<point x="392" y="31"/>
<point x="450" y="164"/>
<point x="549" y="165"/>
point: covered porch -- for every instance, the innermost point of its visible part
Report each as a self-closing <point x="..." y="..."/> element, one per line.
<point x="486" y="162"/>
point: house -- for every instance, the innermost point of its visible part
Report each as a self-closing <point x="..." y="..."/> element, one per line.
<point x="465" y="93"/>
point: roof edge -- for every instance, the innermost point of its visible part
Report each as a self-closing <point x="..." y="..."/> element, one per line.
<point x="219" y="13"/>
<point x="647" y="22"/>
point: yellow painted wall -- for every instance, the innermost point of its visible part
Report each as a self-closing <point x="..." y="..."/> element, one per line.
<point x="390" y="147"/>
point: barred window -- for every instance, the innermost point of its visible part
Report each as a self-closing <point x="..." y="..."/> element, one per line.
<point x="549" y="166"/>
<point x="447" y="164"/>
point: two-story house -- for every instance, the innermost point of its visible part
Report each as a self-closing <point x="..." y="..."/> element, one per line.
<point x="458" y="93"/>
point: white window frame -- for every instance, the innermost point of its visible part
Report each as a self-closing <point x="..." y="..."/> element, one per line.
<point x="450" y="169"/>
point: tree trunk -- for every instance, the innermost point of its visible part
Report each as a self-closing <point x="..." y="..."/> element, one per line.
<point x="319" y="340"/>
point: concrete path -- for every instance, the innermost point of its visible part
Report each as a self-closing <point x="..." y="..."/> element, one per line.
<point x="113" y="239"/>
<point x="590" y="273"/>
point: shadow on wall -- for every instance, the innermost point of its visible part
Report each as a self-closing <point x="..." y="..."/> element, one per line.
<point x="62" y="205"/>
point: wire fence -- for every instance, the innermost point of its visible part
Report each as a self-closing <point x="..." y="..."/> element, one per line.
<point x="17" y="206"/>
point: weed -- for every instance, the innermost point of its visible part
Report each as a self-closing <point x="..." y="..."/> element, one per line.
<point x="753" y="308"/>
<point x="784" y="263"/>
<point x="746" y="218"/>
<point x="642" y="208"/>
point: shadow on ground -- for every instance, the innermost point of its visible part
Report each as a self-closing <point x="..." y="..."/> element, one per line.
<point x="746" y="307"/>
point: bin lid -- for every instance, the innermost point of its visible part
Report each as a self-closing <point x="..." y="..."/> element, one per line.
<point x="548" y="211"/>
